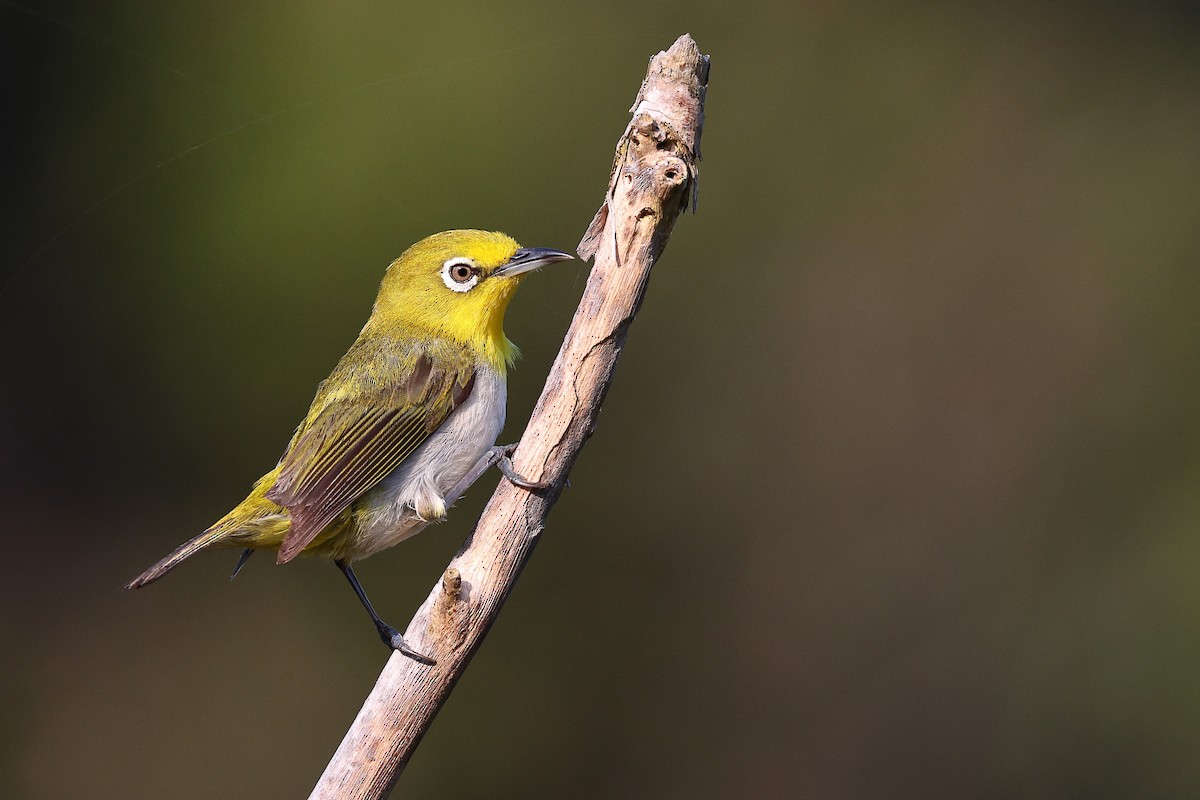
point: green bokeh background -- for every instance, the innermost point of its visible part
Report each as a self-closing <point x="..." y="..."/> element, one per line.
<point x="896" y="493"/>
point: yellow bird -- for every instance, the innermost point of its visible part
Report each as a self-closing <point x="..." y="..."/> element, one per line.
<point x="414" y="404"/>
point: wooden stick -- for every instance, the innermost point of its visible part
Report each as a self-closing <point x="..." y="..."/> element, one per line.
<point x="653" y="177"/>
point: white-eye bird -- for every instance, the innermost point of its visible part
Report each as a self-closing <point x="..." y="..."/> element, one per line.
<point x="414" y="404"/>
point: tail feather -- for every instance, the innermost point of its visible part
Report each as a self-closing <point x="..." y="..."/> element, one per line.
<point x="185" y="550"/>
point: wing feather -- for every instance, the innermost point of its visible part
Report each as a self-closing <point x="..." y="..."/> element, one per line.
<point x="352" y="441"/>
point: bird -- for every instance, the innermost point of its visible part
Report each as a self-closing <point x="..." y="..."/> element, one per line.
<point x="415" y="403"/>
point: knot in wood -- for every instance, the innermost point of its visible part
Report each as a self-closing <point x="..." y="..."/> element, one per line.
<point x="452" y="583"/>
<point x="646" y="132"/>
<point x="447" y="622"/>
<point x="672" y="173"/>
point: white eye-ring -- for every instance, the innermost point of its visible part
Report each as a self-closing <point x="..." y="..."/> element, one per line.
<point x="460" y="274"/>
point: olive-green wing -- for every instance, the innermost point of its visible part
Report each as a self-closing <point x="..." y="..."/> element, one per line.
<point x="359" y="436"/>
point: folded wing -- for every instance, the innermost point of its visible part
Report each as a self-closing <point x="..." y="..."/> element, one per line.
<point x="361" y="431"/>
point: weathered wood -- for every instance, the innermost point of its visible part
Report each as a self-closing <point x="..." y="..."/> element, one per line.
<point x="654" y="175"/>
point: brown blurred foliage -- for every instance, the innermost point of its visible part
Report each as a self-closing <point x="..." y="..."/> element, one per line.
<point x="897" y="491"/>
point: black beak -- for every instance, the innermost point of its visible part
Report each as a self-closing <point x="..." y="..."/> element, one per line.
<point x="528" y="259"/>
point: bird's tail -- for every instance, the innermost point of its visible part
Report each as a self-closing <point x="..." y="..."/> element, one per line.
<point x="185" y="550"/>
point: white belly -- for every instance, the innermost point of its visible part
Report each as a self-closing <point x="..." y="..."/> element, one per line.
<point x="415" y="493"/>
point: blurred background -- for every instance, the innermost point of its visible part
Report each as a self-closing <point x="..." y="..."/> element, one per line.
<point x="896" y="493"/>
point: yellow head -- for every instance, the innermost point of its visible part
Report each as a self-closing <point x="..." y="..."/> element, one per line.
<point x="456" y="285"/>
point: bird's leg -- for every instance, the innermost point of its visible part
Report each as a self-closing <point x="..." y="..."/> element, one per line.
<point x="503" y="455"/>
<point x="498" y="456"/>
<point x="390" y="636"/>
<point x="242" y="559"/>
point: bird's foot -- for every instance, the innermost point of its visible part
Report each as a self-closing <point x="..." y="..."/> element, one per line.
<point x="393" y="639"/>
<point x="504" y="464"/>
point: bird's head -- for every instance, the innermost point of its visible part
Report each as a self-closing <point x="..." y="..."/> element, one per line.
<point x="457" y="285"/>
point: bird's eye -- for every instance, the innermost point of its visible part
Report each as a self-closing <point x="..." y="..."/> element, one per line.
<point x="460" y="274"/>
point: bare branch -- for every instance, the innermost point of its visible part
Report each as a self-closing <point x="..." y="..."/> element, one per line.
<point x="654" y="175"/>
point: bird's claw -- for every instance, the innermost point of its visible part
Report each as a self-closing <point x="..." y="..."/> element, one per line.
<point x="395" y="640"/>
<point x="505" y="465"/>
